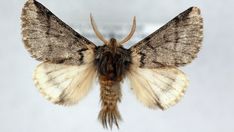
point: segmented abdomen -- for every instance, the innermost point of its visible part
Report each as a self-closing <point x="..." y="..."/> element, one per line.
<point x="110" y="96"/>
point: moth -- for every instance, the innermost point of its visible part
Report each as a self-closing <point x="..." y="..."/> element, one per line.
<point x="70" y="62"/>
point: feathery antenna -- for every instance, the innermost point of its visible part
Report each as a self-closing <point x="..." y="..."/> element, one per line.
<point x="133" y="29"/>
<point x="98" y="34"/>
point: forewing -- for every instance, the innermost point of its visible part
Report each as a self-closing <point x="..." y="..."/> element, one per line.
<point x="64" y="84"/>
<point x="159" y="87"/>
<point x="47" y="38"/>
<point x="175" y="44"/>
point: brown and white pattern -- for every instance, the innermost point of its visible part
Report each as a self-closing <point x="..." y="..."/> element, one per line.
<point x="47" y="38"/>
<point x="64" y="84"/>
<point x="70" y="62"/>
<point x="159" y="87"/>
<point x="175" y="44"/>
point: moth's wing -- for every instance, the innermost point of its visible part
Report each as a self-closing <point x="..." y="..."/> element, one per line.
<point x="64" y="84"/>
<point x="159" y="87"/>
<point x="47" y="38"/>
<point x="175" y="44"/>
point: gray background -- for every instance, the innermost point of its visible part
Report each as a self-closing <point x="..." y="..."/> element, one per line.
<point x="208" y="105"/>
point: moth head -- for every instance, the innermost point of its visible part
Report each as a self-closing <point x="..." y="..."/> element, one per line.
<point x="113" y="41"/>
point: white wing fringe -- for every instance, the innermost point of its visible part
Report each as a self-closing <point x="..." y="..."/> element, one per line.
<point x="161" y="87"/>
<point x="64" y="84"/>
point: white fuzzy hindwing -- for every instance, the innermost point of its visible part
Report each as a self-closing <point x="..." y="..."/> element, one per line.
<point x="161" y="87"/>
<point x="63" y="84"/>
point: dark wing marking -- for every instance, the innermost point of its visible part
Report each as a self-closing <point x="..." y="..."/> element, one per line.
<point x="175" y="44"/>
<point x="47" y="38"/>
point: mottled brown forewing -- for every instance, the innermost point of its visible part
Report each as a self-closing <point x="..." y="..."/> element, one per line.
<point x="175" y="44"/>
<point x="151" y="68"/>
<point x="47" y="38"/>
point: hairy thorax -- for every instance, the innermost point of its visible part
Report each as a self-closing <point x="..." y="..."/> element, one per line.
<point x="112" y="61"/>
